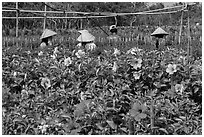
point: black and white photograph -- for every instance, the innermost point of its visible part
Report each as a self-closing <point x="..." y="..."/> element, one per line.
<point x="101" y="68"/>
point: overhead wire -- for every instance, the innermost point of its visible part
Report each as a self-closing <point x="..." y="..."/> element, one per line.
<point x="99" y="14"/>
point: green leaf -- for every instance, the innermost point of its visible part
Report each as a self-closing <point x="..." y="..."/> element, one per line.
<point x="178" y="119"/>
<point x="164" y="130"/>
<point x="75" y="131"/>
<point x="66" y="116"/>
<point x="111" y="124"/>
<point x="18" y="120"/>
<point x="162" y="118"/>
<point x="99" y="126"/>
<point x="182" y="117"/>
<point x="124" y="129"/>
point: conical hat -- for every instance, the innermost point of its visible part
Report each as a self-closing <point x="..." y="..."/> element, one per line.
<point x="85" y="37"/>
<point x="47" y="33"/>
<point x="159" y="31"/>
<point x="82" y="31"/>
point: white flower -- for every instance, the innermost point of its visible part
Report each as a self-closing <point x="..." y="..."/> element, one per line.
<point x="40" y="53"/>
<point x="115" y="67"/>
<point x="134" y="51"/>
<point x="56" y="51"/>
<point x="46" y="83"/>
<point x="67" y="61"/>
<point x="43" y="128"/>
<point x="171" y="69"/>
<point x="24" y="92"/>
<point x="136" y="75"/>
<point x="80" y="53"/>
<point x="183" y="60"/>
<point x="179" y="88"/>
<point x="116" y="52"/>
<point x="136" y="63"/>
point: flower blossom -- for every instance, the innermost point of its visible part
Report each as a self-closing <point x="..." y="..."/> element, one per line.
<point x="40" y="53"/>
<point x="45" y="82"/>
<point x="67" y="61"/>
<point x="134" y="51"/>
<point x="179" y="88"/>
<point x="56" y="51"/>
<point x="116" y="52"/>
<point x="171" y="69"/>
<point x="115" y="67"/>
<point x="183" y="60"/>
<point x="137" y="111"/>
<point x="80" y="53"/>
<point x="136" y="75"/>
<point x="43" y="128"/>
<point x="136" y="63"/>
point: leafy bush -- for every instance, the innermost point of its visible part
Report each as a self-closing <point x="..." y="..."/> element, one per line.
<point x="134" y="92"/>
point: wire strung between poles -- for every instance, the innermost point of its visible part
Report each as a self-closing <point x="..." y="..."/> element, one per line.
<point x="100" y="27"/>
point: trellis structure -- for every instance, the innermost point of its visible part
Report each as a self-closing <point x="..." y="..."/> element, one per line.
<point x="94" y="15"/>
<point x="85" y="14"/>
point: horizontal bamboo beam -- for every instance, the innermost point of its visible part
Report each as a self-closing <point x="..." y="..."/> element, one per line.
<point x="98" y="13"/>
<point x="84" y="17"/>
<point x="103" y="13"/>
<point x="63" y="12"/>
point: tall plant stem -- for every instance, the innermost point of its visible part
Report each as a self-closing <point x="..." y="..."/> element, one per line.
<point x="152" y="115"/>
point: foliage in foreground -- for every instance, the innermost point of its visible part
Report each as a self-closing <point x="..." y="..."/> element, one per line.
<point x="133" y="92"/>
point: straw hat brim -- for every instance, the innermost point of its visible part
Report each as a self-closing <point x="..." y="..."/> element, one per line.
<point x="159" y="32"/>
<point x="83" y="31"/>
<point x="47" y="33"/>
<point x="85" y="37"/>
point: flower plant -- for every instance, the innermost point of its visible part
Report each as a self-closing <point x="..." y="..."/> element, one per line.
<point x="112" y="93"/>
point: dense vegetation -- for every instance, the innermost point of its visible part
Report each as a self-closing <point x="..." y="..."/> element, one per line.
<point x="125" y="89"/>
<point x="114" y="92"/>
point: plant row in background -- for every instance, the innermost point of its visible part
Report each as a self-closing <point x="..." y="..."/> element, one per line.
<point x="101" y="93"/>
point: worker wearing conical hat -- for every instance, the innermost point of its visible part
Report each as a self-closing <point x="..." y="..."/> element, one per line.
<point x="46" y="38"/>
<point x="113" y="38"/>
<point x="159" y="33"/>
<point x="86" y="40"/>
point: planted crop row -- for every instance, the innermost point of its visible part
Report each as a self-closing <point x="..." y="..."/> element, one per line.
<point x="114" y="92"/>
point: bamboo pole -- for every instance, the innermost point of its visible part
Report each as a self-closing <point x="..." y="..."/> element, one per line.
<point x="189" y="38"/>
<point x="101" y="13"/>
<point x="180" y="32"/>
<point x="16" y="20"/>
<point x="45" y="16"/>
<point x="81" y="26"/>
<point x="83" y="17"/>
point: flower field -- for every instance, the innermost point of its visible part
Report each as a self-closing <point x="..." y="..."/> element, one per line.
<point x="111" y="92"/>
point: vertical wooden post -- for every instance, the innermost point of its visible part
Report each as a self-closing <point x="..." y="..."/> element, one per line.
<point x="45" y="16"/>
<point x="189" y="38"/>
<point x="81" y="25"/>
<point x="66" y="20"/>
<point x="17" y="20"/>
<point x="181" y="28"/>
